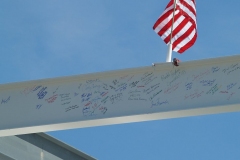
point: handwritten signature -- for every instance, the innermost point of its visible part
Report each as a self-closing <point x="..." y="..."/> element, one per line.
<point x="42" y="93"/>
<point x="4" y="101"/>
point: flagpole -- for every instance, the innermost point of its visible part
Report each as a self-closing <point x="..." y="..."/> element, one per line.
<point x="169" y="53"/>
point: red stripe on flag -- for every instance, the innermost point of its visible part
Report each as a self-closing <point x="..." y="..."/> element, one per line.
<point x="176" y="30"/>
<point x="182" y="37"/>
<point x="170" y="3"/>
<point x="162" y="18"/>
<point x="168" y="25"/>
<point x="183" y="2"/>
<point x="189" y="18"/>
<point x="194" y="2"/>
<point x="189" y="44"/>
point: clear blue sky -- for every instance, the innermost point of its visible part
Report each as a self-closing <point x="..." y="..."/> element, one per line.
<point x="54" y="38"/>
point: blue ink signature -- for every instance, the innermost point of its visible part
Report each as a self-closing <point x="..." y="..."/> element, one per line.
<point x="159" y="103"/>
<point x="188" y="86"/>
<point x="207" y="82"/>
<point x="38" y="106"/>
<point x="42" y="93"/>
<point x="231" y="86"/>
<point x="36" y="88"/>
<point x="4" y="101"/>
<point x="215" y="69"/>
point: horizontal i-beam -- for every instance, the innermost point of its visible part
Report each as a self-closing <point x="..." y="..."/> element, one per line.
<point x="132" y="95"/>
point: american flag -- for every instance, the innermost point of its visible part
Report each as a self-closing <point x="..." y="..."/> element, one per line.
<point x="184" y="33"/>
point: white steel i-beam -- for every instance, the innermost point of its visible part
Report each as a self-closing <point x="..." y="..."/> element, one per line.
<point x="148" y="93"/>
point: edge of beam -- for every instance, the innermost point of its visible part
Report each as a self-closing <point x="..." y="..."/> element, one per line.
<point x="124" y="119"/>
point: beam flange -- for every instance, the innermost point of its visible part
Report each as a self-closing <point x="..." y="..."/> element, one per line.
<point x="132" y="95"/>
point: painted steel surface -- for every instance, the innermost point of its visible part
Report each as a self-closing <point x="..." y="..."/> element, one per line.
<point x="131" y="95"/>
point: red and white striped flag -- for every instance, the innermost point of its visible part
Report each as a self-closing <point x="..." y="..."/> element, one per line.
<point x="184" y="32"/>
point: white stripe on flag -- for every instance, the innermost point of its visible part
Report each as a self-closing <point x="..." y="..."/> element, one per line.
<point x="176" y="23"/>
<point x="164" y="22"/>
<point x="184" y="27"/>
<point x="182" y="31"/>
<point x="185" y="41"/>
<point x="167" y="9"/>
<point x="190" y="2"/>
<point x="185" y="9"/>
